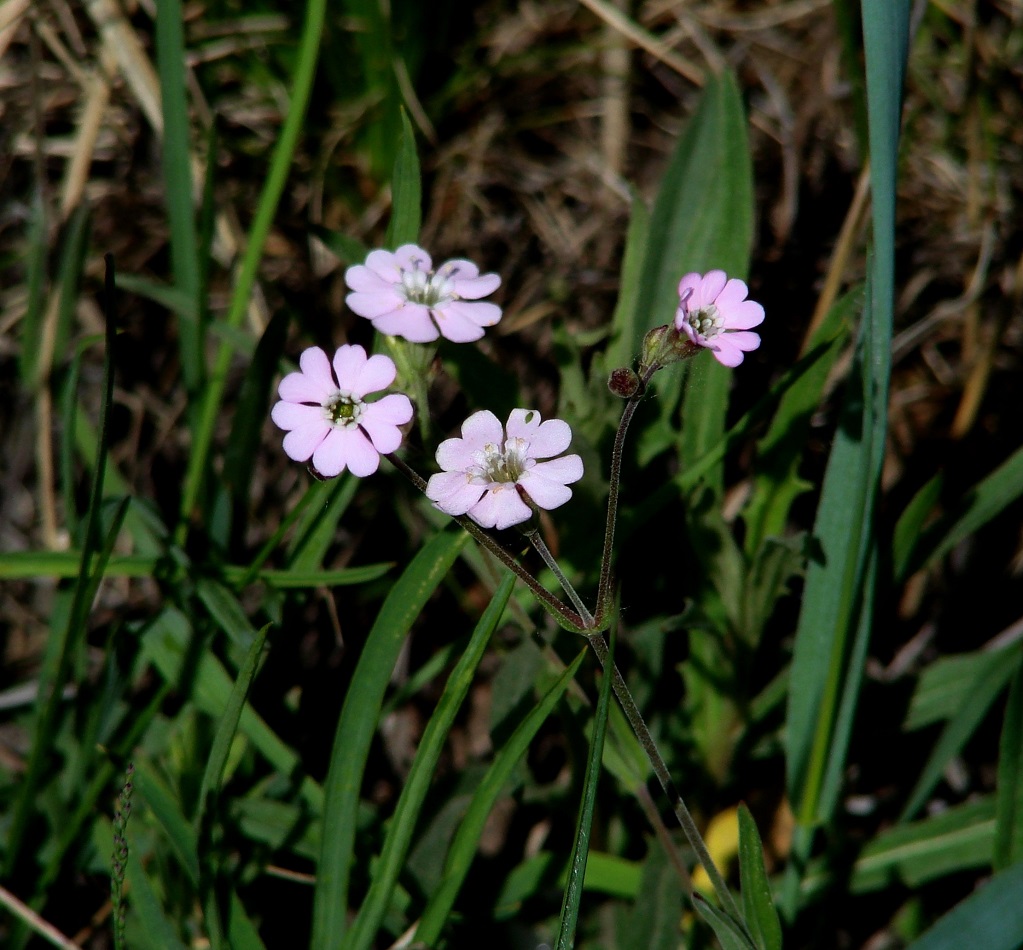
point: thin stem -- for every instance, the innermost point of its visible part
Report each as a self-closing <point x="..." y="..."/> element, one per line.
<point x="604" y="588"/>
<point x="574" y="621"/>
<point x="566" y="584"/>
<point x="685" y="819"/>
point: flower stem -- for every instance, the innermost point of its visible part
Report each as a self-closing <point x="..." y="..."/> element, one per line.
<point x="604" y="588"/>
<point x="569" y="618"/>
<point x="566" y="584"/>
<point x="685" y="819"/>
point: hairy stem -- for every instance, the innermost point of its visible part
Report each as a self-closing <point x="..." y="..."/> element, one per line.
<point x="566" y="584"/>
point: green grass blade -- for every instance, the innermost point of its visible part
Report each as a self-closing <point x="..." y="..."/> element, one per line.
<point x="757" y="903"/>
<point x="403" y="821"/>
<point x="463" y="847"/>
<point x="154" y="929"/>
<point x="406" y="190"/>
<point x="986" y="500"/>
<point x="227" y="728"/>
<point x="277" y="175"/>
<point x="984" y="691"/>
<point x="167" y="811"/>
<point x="317" y="525"/>
<point x="177" y="176"/>
<point x="357" y="726"/>
<point x="729" y="935"/>
<point x="910" y="527"/>
<point x="991" y="917"/>
<point x="1009" y="814"/>
<point x="780" y="452"/>
<point x="51" y="693"/>
<point x="628" y="323"/>
<point x="581" y="848"/>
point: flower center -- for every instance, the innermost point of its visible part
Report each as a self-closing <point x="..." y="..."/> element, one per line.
<point x="495" y="465"/>
<point x="706" y="322"/>
<point x="426" y="287"/>
<point x="343" y="410"/>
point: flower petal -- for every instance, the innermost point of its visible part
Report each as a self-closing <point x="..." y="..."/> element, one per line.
<point x="729" y="347"/>
<point x="301" y="443"/>
<point x="362" y="458"/>
<point x="376" y="373"/>
<point x="375" y="303"/>
<point x="743" y="316"/>
<point x="711" y="285"/>
<point x="545" y="494"/>
<point x="293" y="415"/>
<point x="475" y="287"/>
<point x="452" y="492"/>
<point x="412" y="257"/>
<point x="385" y="434"/>
<point x="567" y="469"/>
<point x="395" y="410"/>
<point x="299" y="387"/>
<point x="456" y="321"/>
<point x="361" y="278"/>
<point x="546" y="439"/>
<point x="500" y="508"/>
<point x="314" y="363"/>
<point x="384" y="265"/>
<point x="482" y="428"/>
<point x="460" y="269"/>
<point x="411" y="321"/>
<point x="349" y="360"/>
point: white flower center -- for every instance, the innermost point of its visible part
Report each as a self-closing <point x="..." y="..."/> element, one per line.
<point x="496" y="465"/>
<point x="427" y="287"/>
<point x="343" y="410"/>
<point x="706" y="322"/>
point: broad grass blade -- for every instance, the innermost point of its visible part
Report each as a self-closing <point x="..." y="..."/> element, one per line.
<point x="357" y="726"/>
<point x="403" y="821"/>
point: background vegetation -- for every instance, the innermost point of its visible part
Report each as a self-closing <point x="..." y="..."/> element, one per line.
<point x="819" y="552"/>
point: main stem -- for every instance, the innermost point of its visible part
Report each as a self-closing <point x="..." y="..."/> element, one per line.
<point x="685" y="819"/>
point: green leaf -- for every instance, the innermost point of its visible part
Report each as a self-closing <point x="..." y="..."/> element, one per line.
<point x="728" y="932"/>
<point x="357" y="726"/>
<point x="757" y="903"/>
<point x="982" y="694"/>
<point x="581" y="848"/>
<point x="991" y="917"/>
<point x="1009" y="816"/>
<point x="317" y="526"/>
<point x="167" y="811"/>
<point x="154" y="929"/>
<point x="628" y="323"/>
<point x="177" y="176"/>
<point x="463" y="848"/>
<point x="653" y="920"/>
<point x="910" y="527"/>
<point x="424" y="767"/>
<point x="953" y="841"/>
<point x="945" y="685"/>
<point x="406" y="190"/>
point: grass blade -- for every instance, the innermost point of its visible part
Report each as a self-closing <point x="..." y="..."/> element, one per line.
<point x="177" y="175"/>
<point x="406" y="190"/>
<point x="277" y="176"/>
<point x="1009" y="814"/>
<point x="757" y="903"/>
<point x="463" y="847"/>
<point x="581" y="849"/>
<point x="357" y="726"/>
<point x="403" y="822"/>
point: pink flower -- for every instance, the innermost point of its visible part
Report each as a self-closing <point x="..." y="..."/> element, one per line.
<point x="404" y="296"/>
<point x="324" y="413"/>
<point x="714" y="312"/>
<point x="486" y="473"/>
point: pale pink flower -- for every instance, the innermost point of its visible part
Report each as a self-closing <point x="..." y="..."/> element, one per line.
<point x="486" y="471"/>
<point x="713" y="312"/>
<point x="324" y="412"/>
<point x="403" y="295"/>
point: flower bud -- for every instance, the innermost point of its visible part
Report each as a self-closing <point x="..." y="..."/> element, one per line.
<point x="624" y="382"/>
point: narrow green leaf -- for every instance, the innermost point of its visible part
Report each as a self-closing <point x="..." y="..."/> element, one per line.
<point x="944" y="687"/>
<point x="224" y="608"/>
<point x="168" y="813"/>
<point x="37" y="241"/>
<point x="403" y="821"/>
<point x="177" y="176"/>
<point x="1009" y="816"/>
<point x="463" y="847"/>
<point x="950" y="842"/>
<point x="581" y="848"/>
<point x="910" y="527"/>
<point x="991" y="917"/>
<point x="757" y="903"/>
<point x="227" y="728"/>
<point x="317" y="525"/>
<point x="273" y="188"/>
<point x="629" y="325"/>
<point x="987" y="499"/>
<point x="957" y="732"/>
<point x="652" y="922"/>
<point x="54" y="676"/>
<point x="357" y="726"/>
<point x="728" y="932"/>
<point x="154" y="930"/>
<point x="406" y="190"/>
